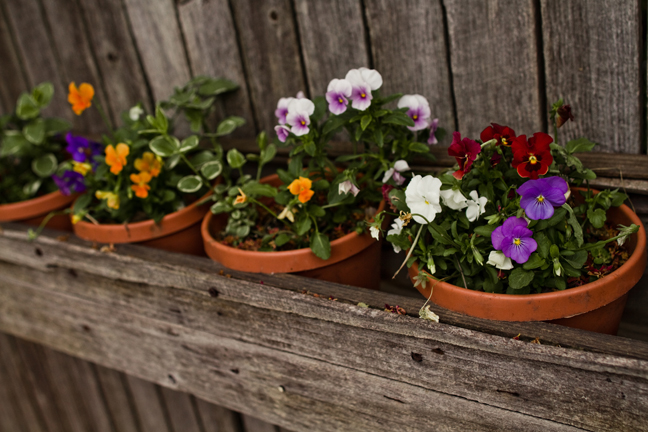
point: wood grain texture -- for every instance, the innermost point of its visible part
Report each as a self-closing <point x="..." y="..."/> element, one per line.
<point x="409" y="50"/>
<point x="117" y="398"/>
<point x="253" y="424"/>
<point x="493" y="52"/>
<point x="591" y="53"/>
<point x="149" y="405"/>
<point x="159" y="42"/>
<point x="213" y="50"/>
<point x="270" y="53"/>
<point x="38" y="53"/>
<point x="333" y="332"/>
<point x="115" y="53"/>
<point x="181" y="411"/>
<point x="218" y="419"/>
<point x="12" y="80"/>
<point x="332" y="37"/>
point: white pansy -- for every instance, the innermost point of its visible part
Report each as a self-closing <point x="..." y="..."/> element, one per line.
<point x="135" y="112"/>
<point x="396" y="229"/>
<point x="498" y="260"/>
<point x="364" y="75"/>
<point x="341" y="86"/>
<point x="454" y="199"/>
<point x="375" y="232"/>
<point x="422" y="197"/>
<point x="399" y="166"/>
<point x="301" y="106"/>
<point x="476" y="206"/>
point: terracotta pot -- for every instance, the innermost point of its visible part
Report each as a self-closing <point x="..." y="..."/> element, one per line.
<point x="355" y="259"/>
<point x="33" y="211"/>
<point x="596" y="306"/>
<point x="176" y="232"/>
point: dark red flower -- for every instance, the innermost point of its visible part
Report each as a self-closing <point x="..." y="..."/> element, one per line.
<point x="532" y="158"/>
<point x="503" y="134"/>
<point x="564" y="114"/>
<point x="465" y="152"/>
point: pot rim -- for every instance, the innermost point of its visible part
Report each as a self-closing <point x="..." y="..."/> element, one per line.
<point x="34" y="207"/>
<point x="282" y="261"/>
<point x="545" y="306"/>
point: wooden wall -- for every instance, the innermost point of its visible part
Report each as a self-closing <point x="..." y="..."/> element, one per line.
<point x="475" y="61"/>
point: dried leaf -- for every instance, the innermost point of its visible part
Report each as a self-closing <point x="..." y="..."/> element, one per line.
<point x="426" y="314"/>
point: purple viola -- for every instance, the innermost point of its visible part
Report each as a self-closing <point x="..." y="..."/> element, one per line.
<point x="282" y="109"/>
<point x="337" y="94"/>
<point x="432" y="140"/>
<point x="282" y="132"/>
<point x="541" y="196"/>
<point x="363" y="81"/>
<point x="70" y="182"/>
<point x="418" y="110"/>
<point x="299" y="112"/>
<point x="514" y="239"/>
<point x="82" y="149"/>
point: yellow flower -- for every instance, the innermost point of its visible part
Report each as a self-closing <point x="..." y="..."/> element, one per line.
<point x="116" y="157"/>
<point x="80" y="98"/>
<point x="241" y="198"/>
<point x="76" y="219"/>
<point x="112" y="199"/>
<point x="81" y="167"/>
<point x="302" y="188"/>
<point x="149" y="163"/>
<point x="141" y="186"/>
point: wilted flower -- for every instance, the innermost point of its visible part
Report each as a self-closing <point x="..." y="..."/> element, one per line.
<point x="514" y="239"/>
<point x="240" y="199"/>
<point x="399" y="167"/>
<point x="476" y="206"/>
<point x="532" y="158"/>
<point x="347" y="186"/>
<point x="432" y="140"/>
<point x="298" y="117"/>
<point x="396" y="229"/>
<point x="422" y="197"/>
<point x="375" y="232"/>
<point x="337" y="94"/>
<point x="80" y="98"/>
<point x="70" y="182"/>
<point x="539" y="197"/>
<point x="454" y="199"/>
<point x="564" y="113"/>
<point x="287" y="213"/>
<point x="419" y="110"/>
<point x="465" y="152"/>
<point x="498" y="260"/>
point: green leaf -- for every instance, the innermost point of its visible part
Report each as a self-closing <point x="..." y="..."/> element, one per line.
<point x="43" y="93"/>
<point x="579" y="145"/>
<point x="163" y="146"/>
<point x="418" y="147"/>
<point x="310" y="148"/>
<point x="485" y="230"/>
<point x="217" y="86"/>
<point x="358" y="134"/>
<point x="211" y="169"/>
<point x="397" y="198"/>
<point x="320" y="245"/>
<point x="302" y="226"/>
<point x="189" y="143"/>
<point x="281" y="240"/>
<point x="597" y="217"/>
<point x="365" y="121"/>
<point x="172" y="161"/>
<point x="316" y="211"/>
<point x="34" y="131"/>
<point x="45" y="165"/>
<point x="228" y="125"/>
<point x="14" y="143"/>
<point x="573" y="222"/>
<point x="190" y="184"/>
<point x="379" y="137"/>
<point x="256" y="189"/>
<point x="27" y="107"/>
<point x="519" y="278"/>
<point x="235" y="158"/>
<point x="543" y="244"/>
<point x="81" y="203"/>
<point x="268" y="154"/>
<point x="398" y="118"/>
<point x="161" y="119"/>
<point x="333" y="123"/>
<point x="534" y="262"/>
<point x="220" y="207"/>
<point x="578" y="259"/>
<point x="55" y="126"/>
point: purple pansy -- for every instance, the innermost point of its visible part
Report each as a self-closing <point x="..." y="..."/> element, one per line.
<point x="419" y="110"/>
<point x="433" y="128"/>
<point x="539" y="197"/>
<point x="299" y="112"/>
<point x="282" y="132"/>
<point x="337" y="94"/>
<point x="70" y="182"/>
<point x="514" y="239"/>
<point x="361" y="97"/>
<point x="82" y="149"/>
<point x="282" y="109"/>
<point x="363" y="81"/>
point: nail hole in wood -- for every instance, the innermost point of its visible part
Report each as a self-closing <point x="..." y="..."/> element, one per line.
<point x="274" y="16"/>
<point x="236" y="371"/>
<point x="172" y="379"/>
<point x="516" y="394"/>
<point x="85" y="328"/>
<point x="417" y="357"/>
<point x="38" y="252"/>
<point x="73" y="273"/>
<point x="112" y="57"/>
<point x="213" y="292"/>
<point x="438" y="351"/>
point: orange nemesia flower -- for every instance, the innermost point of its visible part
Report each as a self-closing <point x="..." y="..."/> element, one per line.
<point x="81" y="97"/>
<point x="116" y="157"/>
<point x="149" y="163"/>
<point x="302" y="187"/>
<point x="141" y="186"/>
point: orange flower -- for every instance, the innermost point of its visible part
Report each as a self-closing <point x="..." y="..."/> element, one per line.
<point x="302" y="187"/>
<point x="241" y="199"/>
<point x="81" y="97"/>
<point x="116" y="158"/>
<point x="149" y="163"/>
<point x="141" y="187"/>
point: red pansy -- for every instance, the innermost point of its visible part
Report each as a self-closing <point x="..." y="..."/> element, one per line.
<point x="503" y="134"/>
<point x="465" y="152"/>
<point x="532" y="158"/>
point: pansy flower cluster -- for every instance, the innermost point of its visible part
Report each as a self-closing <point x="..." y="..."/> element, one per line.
<point x="505" y="219"/>
<point x="84" y="159"/>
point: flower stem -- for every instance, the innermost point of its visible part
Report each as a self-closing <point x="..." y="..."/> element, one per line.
<point x="409" y="253"/>
<point x="105" y="118"/>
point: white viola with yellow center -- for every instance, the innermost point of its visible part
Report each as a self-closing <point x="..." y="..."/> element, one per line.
<point x="422" y="197"/>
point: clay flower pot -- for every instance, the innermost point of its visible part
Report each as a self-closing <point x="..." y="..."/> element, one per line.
<point x="355" y="259"/>
<point x="176" y="232"/>
<point x="33" y="211"/>
<point x="596" y="306"/>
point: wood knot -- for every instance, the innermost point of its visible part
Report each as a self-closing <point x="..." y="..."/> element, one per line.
<point x="274" y="16"/>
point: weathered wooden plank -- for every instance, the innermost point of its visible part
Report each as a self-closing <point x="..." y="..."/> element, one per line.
<point x="591" y="54"/>
<point x="213" y="50"/>
<point x="253" y="424"/>
<point x="114" y="49"/>
<point x="117" y="396"/>
<point x="75" y="58"/>
<point x="38" y="53"/>
<point x="181" y="411"/>
<point x="409" y="50"/>
<point x="333" y="40"/>
<point x="218" y="419"/>
<point x="270" y="53"/>
<point x="159" y="42"/>
<point x="494" y="59"/>
<point x="285" y="389"/>
<point x="12" y="80"/>
<point x="149" y="405"/>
